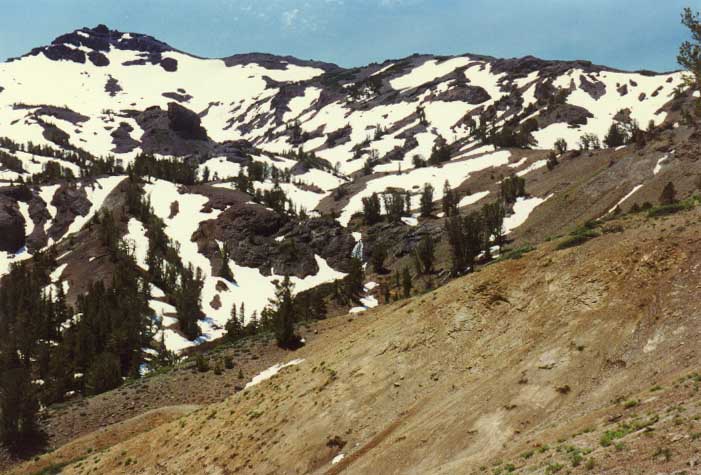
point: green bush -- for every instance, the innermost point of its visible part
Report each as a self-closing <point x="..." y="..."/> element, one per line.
<point x="202" y="364"/>
<point x="666" y="210"/>
<point x="516" y="253"/>
<point x="577" y="238"/>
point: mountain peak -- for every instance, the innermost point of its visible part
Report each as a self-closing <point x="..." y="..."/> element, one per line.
<point x="101" y="38"/>
<point x="91" y="44"/>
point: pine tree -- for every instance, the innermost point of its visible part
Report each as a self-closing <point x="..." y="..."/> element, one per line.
<point x="234" y="329"/>
<point x="187" y="302"/>
<point x="561" y="146"/>
<point x="18" y="407"/>
<point x="689" y="56"/>
<point x="394" y="206"/>
<point x="353" y="282"/>
<point x="493" y="217"/>
<point x="424" y="255"/>
<point x="385" y="292"/>
<point x="456" y="239"/>
<point x="441" y="153"/>
<point x="427" y="201"/>
<point x="371" y="209"/>
<point x="225" y="271"/>
<point x="202" y="363"/>
<point x="283" y="314"/>
<point x="104" y="374"/>
<point x="512" y="187"/>
<point x="450" y="202"/>
<point x="377" y="258"/>
<point x="615" y="136"/>
<point x="474" y="235"/>
<point x="406" y="282"/>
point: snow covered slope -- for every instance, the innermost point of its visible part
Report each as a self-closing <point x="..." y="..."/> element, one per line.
<point x="336" y="135"/>
<point x="90" y="89"/>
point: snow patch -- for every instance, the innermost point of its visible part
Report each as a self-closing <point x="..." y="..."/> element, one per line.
<point x="270" y="372"/>
<point x="522" y="210"/>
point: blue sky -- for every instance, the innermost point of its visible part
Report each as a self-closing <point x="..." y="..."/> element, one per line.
<point x="629" y="34"/>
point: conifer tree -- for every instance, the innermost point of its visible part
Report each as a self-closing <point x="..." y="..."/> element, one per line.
<point x="395" y="206"/>
<point x="456" y="239"/>
<point x="493" y="217"/>
<point x="406" y="282"/>
<point x="225" y="271"/>
<point x="615" y="136"/>
<point x="561" y="146"/>
<point x="18" y="406"/>
<point x="371" y="209"/>
<point x="450" y="202"/>
<point x="234" y="328"/>
<point x="513" y="187"/>
<point x="377" y="258"/>
<point x="104" y="374"/>
<point x="353" y="282"/>
<point x="424" y="255"/>
<point x="689" y="55"/>
<point x="427" y="201"/>
<point x="187" y="302"/>
<point x="283" y="314"/>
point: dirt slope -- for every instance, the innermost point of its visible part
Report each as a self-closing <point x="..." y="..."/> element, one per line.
<point x="528" y="362"/>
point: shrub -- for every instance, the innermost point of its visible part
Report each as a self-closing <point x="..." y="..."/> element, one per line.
<point x="665" y="210"/>
<point x="517" y="253"/>
<point x="577" y="239"/>
<point x="202" y="364"/>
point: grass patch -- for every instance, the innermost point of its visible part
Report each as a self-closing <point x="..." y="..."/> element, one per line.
<point x="516" y="253"/>
<point x="581" y="235"/>
<point x="608" y="437"/>
<point x="666" y="210"/>
<point x="57" y="468"/>
<point x="577" y="239"/>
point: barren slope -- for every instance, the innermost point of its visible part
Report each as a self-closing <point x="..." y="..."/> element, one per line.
<point x="485" y="369"/>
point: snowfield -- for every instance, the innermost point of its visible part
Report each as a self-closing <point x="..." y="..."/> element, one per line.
<point x="250" y="287"/>
<point x="455" y="172"/>
<point x="136" y="237"/>
<point x="522" y="210"/>
<point x="96" y="194"/>
<point x="391" y="114"/>
<point x="658" y="90"/>
<point x="81" y="87"/>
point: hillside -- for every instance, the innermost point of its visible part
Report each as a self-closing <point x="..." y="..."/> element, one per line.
<point x="163" y="215"/>
<point x="528" y="363"/>
<point x="104" y="97"/>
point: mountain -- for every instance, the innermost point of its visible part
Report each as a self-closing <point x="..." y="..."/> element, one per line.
<point x="98" y="92"/>
<point x="102" y="81"/>
<point x="155" y="205"/>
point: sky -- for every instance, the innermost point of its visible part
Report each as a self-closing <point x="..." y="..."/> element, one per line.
<point x="626" y="34"/>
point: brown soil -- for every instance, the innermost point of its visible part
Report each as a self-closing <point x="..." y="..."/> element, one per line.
<point x="542" y="354"/>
